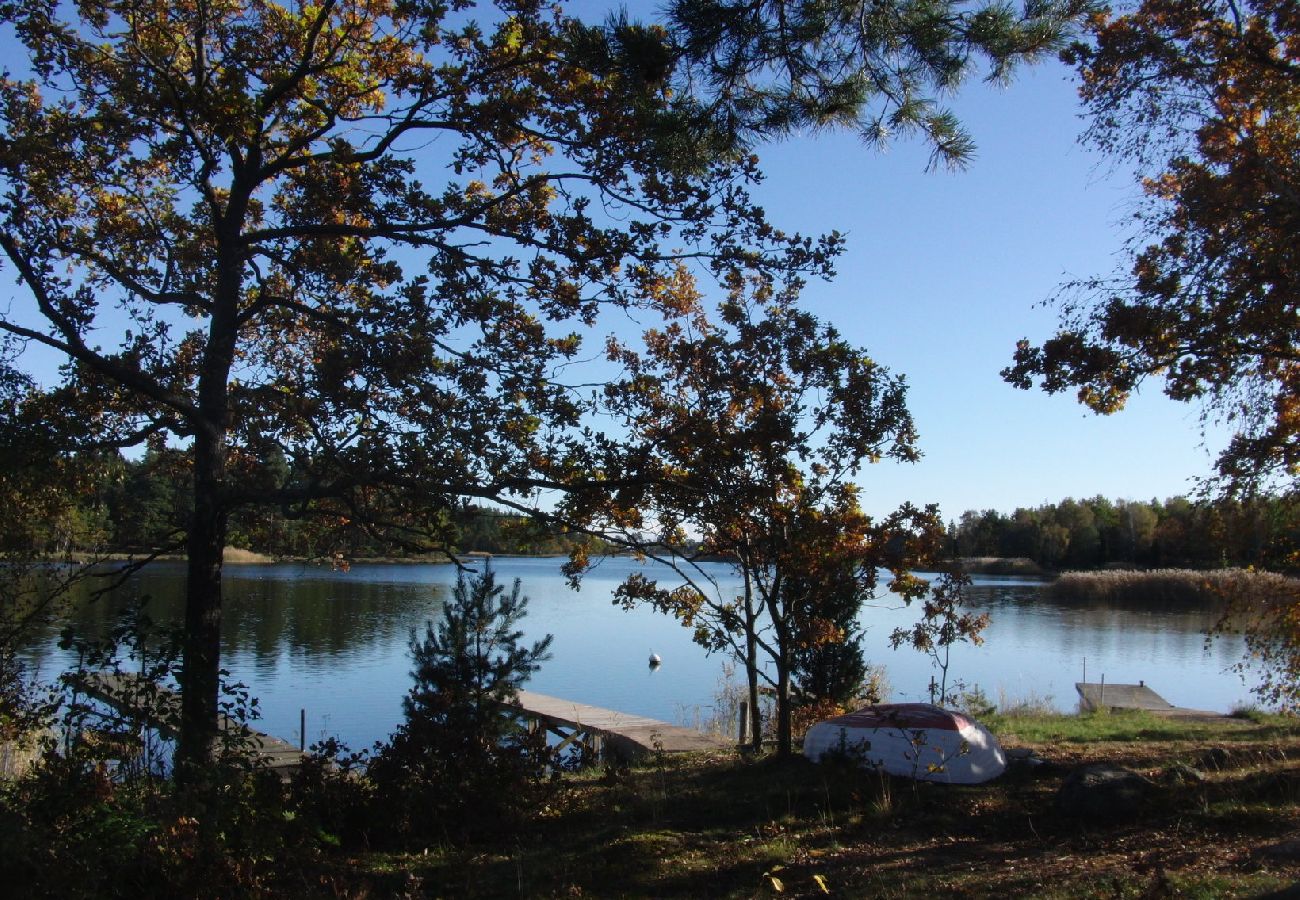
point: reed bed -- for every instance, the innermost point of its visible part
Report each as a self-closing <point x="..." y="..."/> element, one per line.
<point x="1174" y="587"/>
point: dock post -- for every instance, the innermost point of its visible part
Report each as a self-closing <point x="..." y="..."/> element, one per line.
<point x="302" y="729"/>
<point x="1102" y="700"/>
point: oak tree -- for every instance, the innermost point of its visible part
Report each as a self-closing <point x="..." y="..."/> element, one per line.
<point x="361" y="236"/>
<point x="1203" y="97"/>
<point x="754" y="426"/>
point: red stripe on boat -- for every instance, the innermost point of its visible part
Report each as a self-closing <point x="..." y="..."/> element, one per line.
<point x="911" y="716"/>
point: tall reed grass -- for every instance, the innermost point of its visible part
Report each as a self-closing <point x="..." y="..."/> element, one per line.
<point x="1169" y="587"/>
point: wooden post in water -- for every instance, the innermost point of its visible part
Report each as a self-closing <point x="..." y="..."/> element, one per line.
<point x="302" y="729"/>
<point x="1101" y="702"/>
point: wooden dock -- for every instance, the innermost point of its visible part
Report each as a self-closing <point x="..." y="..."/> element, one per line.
<point x="138" y="702"/>
<point x="597" y="730"/>
<point x="1094" y="696"/>
<point x="606" y="731"/>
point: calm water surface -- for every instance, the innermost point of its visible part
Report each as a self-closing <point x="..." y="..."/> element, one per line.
<point x="335" y="644"/>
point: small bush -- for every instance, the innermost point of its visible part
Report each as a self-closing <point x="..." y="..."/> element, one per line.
<point x="461" y="763"/>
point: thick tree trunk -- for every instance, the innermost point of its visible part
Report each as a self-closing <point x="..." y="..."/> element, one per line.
<point x="200" y="680"/>
<point x="200" y="672"/>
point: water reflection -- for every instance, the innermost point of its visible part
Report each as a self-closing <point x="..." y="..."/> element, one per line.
<point x="335" y="643"/>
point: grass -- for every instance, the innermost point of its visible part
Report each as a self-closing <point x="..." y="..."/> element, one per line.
<point x="1137" y="725"/>
<point x="729" y="826"/>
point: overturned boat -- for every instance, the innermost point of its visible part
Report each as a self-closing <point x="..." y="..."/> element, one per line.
<point x="912" y="740"/>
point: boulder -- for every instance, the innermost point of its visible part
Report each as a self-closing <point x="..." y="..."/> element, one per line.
<point x="1181" y="773"/>
<point x="1102" y="792"/>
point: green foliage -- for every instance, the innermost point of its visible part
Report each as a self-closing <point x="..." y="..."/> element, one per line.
<point x="1201" y="98"/>
<point x="97" y="817"/>
<point x="777" y="66"/>
<point x="972" y="700"/>
<point x="461" y="763"/>
<point x="484" y="530"/>
<point x="77" y="827"/>
<point x="1084" y="534"/>
<point x="752" y="429"/>
<point x="829" y="665"/>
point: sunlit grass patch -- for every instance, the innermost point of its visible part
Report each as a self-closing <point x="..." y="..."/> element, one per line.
<point x="1120" y="725"/>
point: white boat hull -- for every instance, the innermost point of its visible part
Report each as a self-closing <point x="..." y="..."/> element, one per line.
<point x="911" y="740"/>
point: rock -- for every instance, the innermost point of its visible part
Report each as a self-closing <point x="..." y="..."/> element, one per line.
<point x="1181" y="773"/>
<point x="1102" y="792"/>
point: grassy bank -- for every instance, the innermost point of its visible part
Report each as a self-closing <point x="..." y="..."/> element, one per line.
<point x="728" y="827"/>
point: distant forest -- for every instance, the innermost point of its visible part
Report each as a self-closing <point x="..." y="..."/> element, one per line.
<point x="139" y="505"/>
<point x="1178" y="532"/>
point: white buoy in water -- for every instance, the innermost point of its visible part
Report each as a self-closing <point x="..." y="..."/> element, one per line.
<point x="654" y="659"/>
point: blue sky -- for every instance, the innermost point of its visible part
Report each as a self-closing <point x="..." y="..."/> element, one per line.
<point x="945" y="271"/>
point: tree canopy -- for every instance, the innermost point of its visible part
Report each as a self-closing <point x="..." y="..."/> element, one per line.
<point x="881" y="69"/>
<point x="754" y="426"/>
<point x="361" y="237"/>
<point x="1204" y="99"/>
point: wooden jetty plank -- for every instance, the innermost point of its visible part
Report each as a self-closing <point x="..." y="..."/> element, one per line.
<point x="1121" y="696"/>
<point x="159" y="707"/>
<point x="624" y="733"/>
<point x="1095" y="696"/>
<point x="594" y="727"/>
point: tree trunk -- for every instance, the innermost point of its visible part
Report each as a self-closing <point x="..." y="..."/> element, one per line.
<point x="751" y="668"/>
<point x="784" y="740"/>
<point x="778" y="612"/>
<point x="200" y="679"/>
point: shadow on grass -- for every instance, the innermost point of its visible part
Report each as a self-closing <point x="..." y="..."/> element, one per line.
<point x="727" y="826"/>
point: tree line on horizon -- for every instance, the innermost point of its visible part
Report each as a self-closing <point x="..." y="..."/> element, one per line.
<point x="1096" y="532"/>
<point x="136" y="505"/>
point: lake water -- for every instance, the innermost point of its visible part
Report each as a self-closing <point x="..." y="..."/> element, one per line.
<point x="335" y="644"/>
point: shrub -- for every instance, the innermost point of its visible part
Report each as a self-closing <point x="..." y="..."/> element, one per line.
<point x="461" y="764"/>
